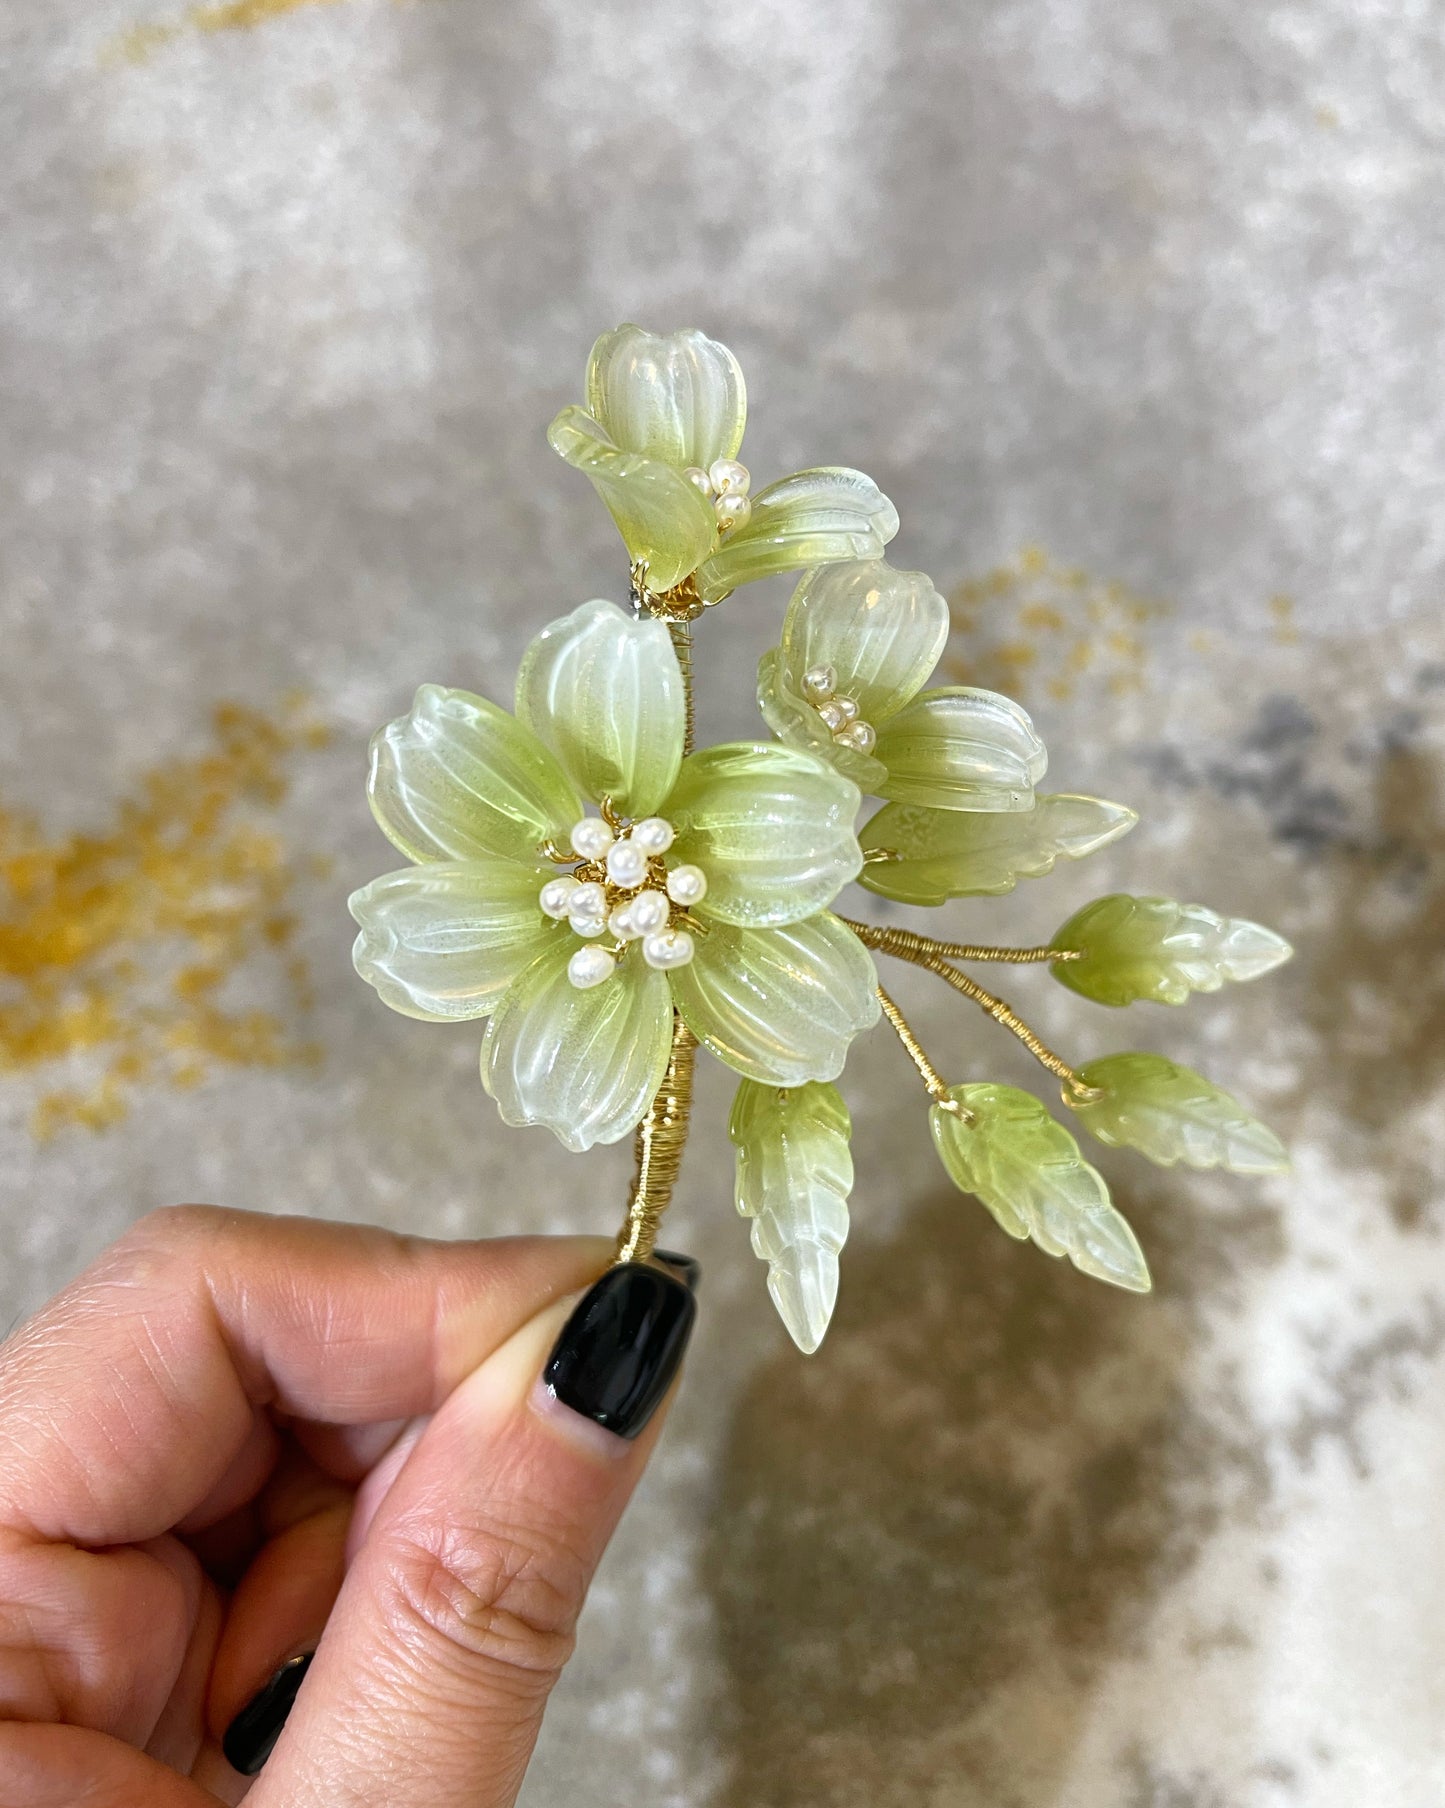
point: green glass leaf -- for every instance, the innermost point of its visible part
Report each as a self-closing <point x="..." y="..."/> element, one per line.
<point x="799" y="725"/>
<point x="586" y="1064"/>
<point x="677" y="397"/>
<point x="882" y="631"/>
<point x="459" y="779"/>
<point x="1027" y="1169"/>
<point x="794" y="1174"/>
<point x="445" y="940"/>
<point x="1171" y="1114"/>
<point x="770" y="826"/>
<point x="1133" y="948"/>
<point x="946" y="854"/>
<point x="961" y="749"/>
<point x="810" y="518"/>
<point x="663" y="520"/>
<point x="779" y="1005"/>
<point x="603" y="690"/>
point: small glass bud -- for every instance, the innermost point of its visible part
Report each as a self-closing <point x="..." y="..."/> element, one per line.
<point x="626" y="864"/>
<point x="728" y="477"/>
<point x="732" y="511"/>
<point x="687" y="885"/>
<point x="591" y="838"/>
<point x="819" y="683"/>
<point x="860" y="736"/>
<point x="648" y="911"/>
<point x="556" y="896"/>
<point x="699" y="480"/>
<point x="590" y="967"/>
<point x="654" y="834"/>
<point x="667" y="949"/>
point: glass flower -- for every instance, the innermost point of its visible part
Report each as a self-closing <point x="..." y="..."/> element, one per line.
<point x="659" y="438"/>
<point x="702" y="885"/>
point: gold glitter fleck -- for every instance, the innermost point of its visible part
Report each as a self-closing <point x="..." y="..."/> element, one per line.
<point x="117" y="948"/>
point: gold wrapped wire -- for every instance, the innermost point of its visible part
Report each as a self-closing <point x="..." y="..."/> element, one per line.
<point x="661" y="1137"/>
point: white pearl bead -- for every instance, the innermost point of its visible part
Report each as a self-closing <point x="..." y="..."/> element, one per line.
<point x="590" y="967"/>
<point x="648" y="912"/>
<point x="591" y="838"/>
<point x="622" y="925"/>
<point x="587" y="910"/>
<point x="819" y="683"/>
<point x="654" y="834"/>
<point x="732" y="511"/>
<point x="626" y="864"/>
<point x="728" y="477"/>
<point x="848" y="707"/>
<point x="860" y="736"/>
<point x="832" y="714"/>
<point x="699" y="479"/>
<point x="556" y="895"/>
<point x="687" y="885"/>
<point x="669" y="948"/>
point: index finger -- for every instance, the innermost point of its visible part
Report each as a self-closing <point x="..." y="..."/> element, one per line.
<point x="123" y="1401"/>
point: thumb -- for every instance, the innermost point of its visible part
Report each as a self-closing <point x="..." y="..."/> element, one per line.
<point x="459" y="1608"/>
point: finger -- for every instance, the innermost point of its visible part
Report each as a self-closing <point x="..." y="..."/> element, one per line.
<point x="459" y="1608"/>
<point x="67" y="1766"/>
<point x="134" y="1397"/>
<point x="124" y="1402"/>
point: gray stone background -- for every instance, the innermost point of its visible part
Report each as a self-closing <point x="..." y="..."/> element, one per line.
<point x="289" y="293"/>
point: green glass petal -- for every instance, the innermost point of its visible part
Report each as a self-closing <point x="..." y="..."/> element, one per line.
<point x="444" y="941"/>
<point x="585" y="1064"/>
<point x="770" y="826"/>
<point x="603" y="690"/>
<point x="1172" y="1114"/>
<point x="1027" y="1169"/>
<point x="810" y="518"/>
<point x="882" y="631"/>
<point x="961" y="749"/>
<point x="794" y="1174"/>
<point x="1131" y="948"/>
<point x="666" y="524"/>
<point x="946" y="854"/>
<point x="459" y="779"/>
<point x="677" y="397"/>
<point x="796" y="722"/>
<point x="779" y="1005"/>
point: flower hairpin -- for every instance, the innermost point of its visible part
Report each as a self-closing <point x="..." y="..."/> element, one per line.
<point x="609" y="898"/>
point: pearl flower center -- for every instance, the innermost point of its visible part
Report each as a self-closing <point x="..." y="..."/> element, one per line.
<point x="621" y="885"/>
<point x="838" y="714"/>
<point x="725" y="483"/>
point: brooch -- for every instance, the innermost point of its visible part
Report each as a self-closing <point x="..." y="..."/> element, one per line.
<point x="608" y="897"/>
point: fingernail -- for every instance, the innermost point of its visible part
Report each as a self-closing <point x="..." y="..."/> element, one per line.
<point x="621" y="1347"/>
<point x="689" y="1269"/>
<point x="255" y="1730"/>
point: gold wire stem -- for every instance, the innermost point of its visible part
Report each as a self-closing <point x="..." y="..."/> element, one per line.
<point x="661" y="1138"/>
<point x="681" y="632"/>
<point x="908" y="945"/>
<point x="1075" y="1091"/>
<point x="937" y="1090"/>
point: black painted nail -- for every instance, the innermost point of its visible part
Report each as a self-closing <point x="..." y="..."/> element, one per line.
<point x="620" y="1349"/>
<point x="688" y="1268"/>
<point x="255" y="1730"/>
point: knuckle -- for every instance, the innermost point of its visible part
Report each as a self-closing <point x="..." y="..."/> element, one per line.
<point x="498" y="1598"/>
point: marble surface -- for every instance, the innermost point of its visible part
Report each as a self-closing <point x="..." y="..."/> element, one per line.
<point x="1135" y="311"/>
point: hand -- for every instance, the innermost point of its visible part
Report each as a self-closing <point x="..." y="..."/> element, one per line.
<point x="238" y="1439"/>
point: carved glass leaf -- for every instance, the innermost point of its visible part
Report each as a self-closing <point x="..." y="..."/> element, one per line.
<point x="1130" y="948"/>
<point x="1006" y="1150"/>
<point x="1172" y="1114"/>
<point x="794" y="1174"/>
